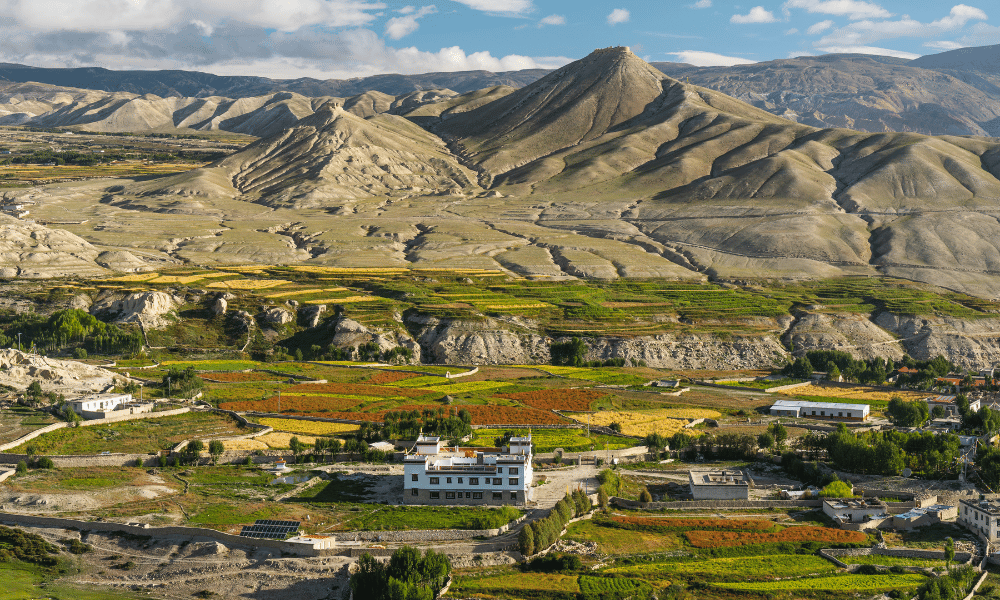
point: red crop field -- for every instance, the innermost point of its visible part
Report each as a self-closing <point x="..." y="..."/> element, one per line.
<point x="242" y="377"/>
<point x="561" y="399"/>
<point x="357" y="389"/>
<point x="384" y="377"/>
<point x="736" y="524"/>
<point x="723" y="539"/>
<point x="511" y="415"/>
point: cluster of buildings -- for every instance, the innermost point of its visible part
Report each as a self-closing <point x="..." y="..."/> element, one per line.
<point x="435" y="474"/>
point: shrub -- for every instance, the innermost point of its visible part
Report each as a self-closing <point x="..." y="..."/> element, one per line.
<point x="551" y="563"/>
<point x="526" y="541"/>
<point x="868" y="570"/>
<point x="645" y="496"/>
<point x="837" y="489"/>
<point x="79" y="353"/>
<point x="22" y="467"/>
<point x="45" y="463"/>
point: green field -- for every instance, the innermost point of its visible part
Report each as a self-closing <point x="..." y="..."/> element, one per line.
<point x="144" y="436"/>
<point x="547" y="440"/>
<point x="892" y="561"/>
<point x="748" y="568"/>
<point x="18" y="584"/>
<point x="839" y="583"/>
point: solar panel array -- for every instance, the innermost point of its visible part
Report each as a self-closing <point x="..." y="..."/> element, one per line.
<point x="267" y="529"/>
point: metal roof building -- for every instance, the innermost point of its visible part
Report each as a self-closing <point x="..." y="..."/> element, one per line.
<point x="834" y="411"/>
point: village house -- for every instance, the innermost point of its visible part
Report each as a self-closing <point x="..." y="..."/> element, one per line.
<point x="101" y="406"/>
<point x="949" y="404"/>
<point x="847" y="511"/>
<point x="434" y="474"/>
<point x="982" y="517"/>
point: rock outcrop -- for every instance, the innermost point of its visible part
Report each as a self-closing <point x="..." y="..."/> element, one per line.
<point x="150" y="309"/>
<point x="19" y="369"/>
<point x="477" y="342"/>
<point x="348" y="333"/>
<point x="276" y="316"/>
<point x="852" y="333"/>
<point x="220" y="306"/>
<point x="310" y="315"/>
<point x="967" y="343"/>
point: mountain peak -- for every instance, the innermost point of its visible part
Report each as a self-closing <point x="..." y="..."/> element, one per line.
<point x="576" y="103"/>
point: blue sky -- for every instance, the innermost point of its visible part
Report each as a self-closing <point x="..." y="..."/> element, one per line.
<point x="347" y="38"/>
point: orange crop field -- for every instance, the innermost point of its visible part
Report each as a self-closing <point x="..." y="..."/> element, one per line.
<point x="805" y="533"/>
<point x="574" y="399"/>
<point x="511" y="415"/>
<point x="670" y="523"/>
<point x="300" y="404"/>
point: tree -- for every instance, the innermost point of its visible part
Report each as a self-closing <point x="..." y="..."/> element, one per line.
<point x="34" y="393"/>
<point x="780" y="434"/>
<point x="296" y="446"/>
<point x="526" y="541"/>
<point x="765" y="441"/>
<point x="602" y="499"/>
<point x="833" y="373"/>
<point x="906" y="414"/>
<point x="645" y="496"/>
<point x="837" y="489"/>
<point x="192" y="452"/>
<point x="216" y="448"/>
<point x="949" y="552"/>
<point x="569" y="353"/>
<point x="22" y="467"/>
<point x="801" y="368"/>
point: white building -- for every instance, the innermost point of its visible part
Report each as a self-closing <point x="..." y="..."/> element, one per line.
<point x="855" y="510"/>
<point x="719" y="485"/>
<point x="982" y="517"/>
<point x="832" y="411"/>
<point x="94" y="406"/>
<point x="433" y="474"/>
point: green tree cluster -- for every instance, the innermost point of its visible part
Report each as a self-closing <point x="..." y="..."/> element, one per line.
<point x="544" y="532"/>
<point x="407" y="576"/>
<point x="906" y="414"/>
<point x="569" y="353"/>
<point x="182" y="380"/>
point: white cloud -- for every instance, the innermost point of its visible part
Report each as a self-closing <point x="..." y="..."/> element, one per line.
<point x="701" y="4"/>
<point x="619" y="15"/>
<point x="499" y="6"/>
<point x="852" y="9"/>
<point x="863" y="33"/>
<point x="152" y="15"/>
<point x="944" y="45"/>
<point x="756" y="15"/>
<point x="553" y="20"/>
<point x="981" y="34"/>
<point x="874" y="50"/>
<point x="709" y="59"/>
<point x="820" y="27"/>
<point x="792" y="31"/>
<point x="400" y="27"/>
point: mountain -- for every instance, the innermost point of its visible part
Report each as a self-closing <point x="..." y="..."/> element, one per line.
<point x="607" y="168"/>
<point x="865" y="93"/>
<point x="195" y="84"/>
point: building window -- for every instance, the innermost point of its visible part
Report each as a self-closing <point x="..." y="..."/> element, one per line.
<point x="814" y="413"/>
<point x="822" y="413"/>
<point x="512" y="470"/>
<point x="435" y="480"/>
<point x="497" y="481"/>
<point x="513" y="495"/>
<point x="840" y="414"/>
<point x="449" y="480"/>
<point x="414" y="477"/>
<point x="449" y="495"/>
<point x="414" y="491"/>
<point x="435" y="495"/>
<point x="468" y="494"/>
<point x="498" y="495"/>
<point x="477" y="495"/>
<point x="499" y="469"/>
<point x="512" y="481"/>
<point x="460" y="480"/>
<point x="473" y="481"/>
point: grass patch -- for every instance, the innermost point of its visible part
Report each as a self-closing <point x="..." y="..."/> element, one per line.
<point x="547" y="440"/>
<point x="836" y="583"/>
<point x="616" y="541"/>
<point x="749" y="568"/>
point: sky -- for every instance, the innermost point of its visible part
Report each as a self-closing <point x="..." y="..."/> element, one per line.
<point x="355" y="38"/>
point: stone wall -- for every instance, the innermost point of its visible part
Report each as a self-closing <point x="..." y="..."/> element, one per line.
<point x="842" y="555"/>
<point x="695" y="504"/>
<point x="430" y="535"/>
<point x="157" y="532"/>
<point x="128" y="417"/>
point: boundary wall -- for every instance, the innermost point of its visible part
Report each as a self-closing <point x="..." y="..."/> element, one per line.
<point x="697" y="504"/>
<point x="161" y="532"/>
<point x="105" y="421"/>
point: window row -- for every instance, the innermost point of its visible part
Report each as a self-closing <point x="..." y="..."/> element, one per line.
<point x="470" y="495"/>
<point x="472" y="480"/>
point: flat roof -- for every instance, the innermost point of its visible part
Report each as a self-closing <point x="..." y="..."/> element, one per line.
<point x="731" y="477"/>
<point x="807" y="404"/>
<point x="942" y="399"/>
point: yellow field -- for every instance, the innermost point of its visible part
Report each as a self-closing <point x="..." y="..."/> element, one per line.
<point x="300" y="292"/>
<point x="665" y="421"/>
<point x="248" y="284"/>
<point x="186" y="279"/>
<point x="342" y="300"/>
<point x="513" y="306"/>
<point x="279" y="440"/>
<point x="244" y="445"/>
<point x="860" y="393"/>
<point x="310" y="427"/>
<point x="134" y="278"/>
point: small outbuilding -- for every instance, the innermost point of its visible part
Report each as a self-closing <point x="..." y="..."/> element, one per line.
<point x="830" y="411"/>
<point x="719" y="485"/>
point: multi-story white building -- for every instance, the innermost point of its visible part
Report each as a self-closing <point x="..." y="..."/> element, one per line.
<point x="433" y="474"/>
<point x="982" y="517"/>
